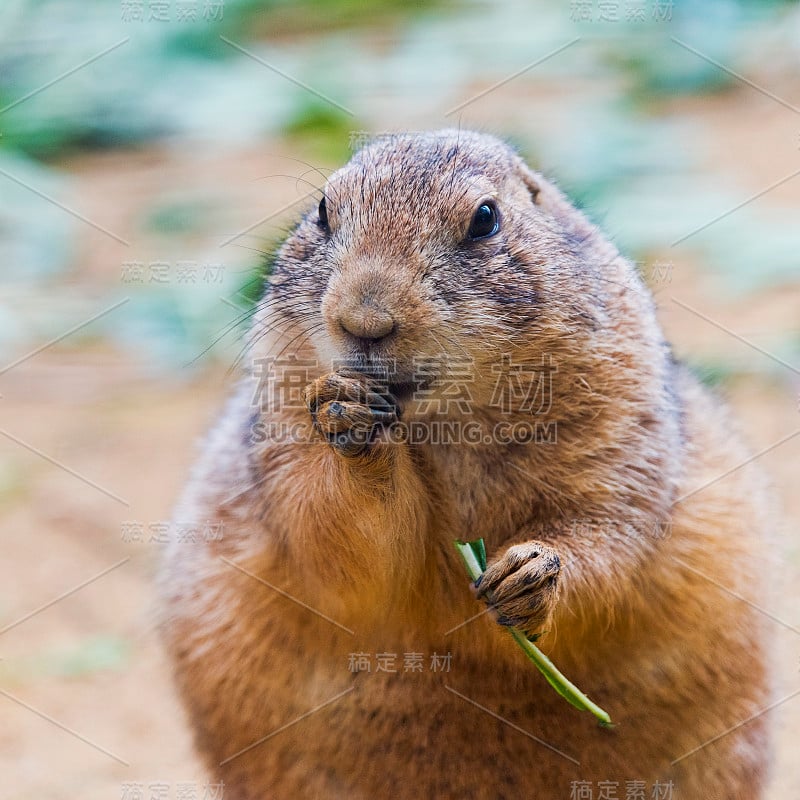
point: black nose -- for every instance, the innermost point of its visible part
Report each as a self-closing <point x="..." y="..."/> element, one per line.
<point x="367" y="322"/>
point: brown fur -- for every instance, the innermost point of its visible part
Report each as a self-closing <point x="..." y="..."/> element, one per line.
<point x="588" y="533"/>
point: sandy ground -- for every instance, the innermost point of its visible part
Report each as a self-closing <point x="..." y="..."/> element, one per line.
<point x="103" y="727"/>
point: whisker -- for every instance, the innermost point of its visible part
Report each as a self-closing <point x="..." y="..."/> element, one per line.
<point x="304" y="335"/>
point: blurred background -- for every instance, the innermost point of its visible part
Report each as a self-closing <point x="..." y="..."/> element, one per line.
<point x="151" y="151"/>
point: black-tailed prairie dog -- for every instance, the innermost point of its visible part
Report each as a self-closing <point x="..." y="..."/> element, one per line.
<point x="448" y="349"/>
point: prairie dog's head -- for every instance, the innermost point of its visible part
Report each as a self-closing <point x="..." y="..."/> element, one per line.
<point x="435" y="249"/>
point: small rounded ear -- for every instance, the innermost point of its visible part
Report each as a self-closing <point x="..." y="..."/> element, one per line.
<point x="553" y="202"/>
<point x="531" y="180"/>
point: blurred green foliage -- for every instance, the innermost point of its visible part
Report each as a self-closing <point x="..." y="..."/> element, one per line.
<point x="285" y="19"/>
<point x="320" y="130"/>
<point x="95" y="654"/>
<point x="180" y="217"/>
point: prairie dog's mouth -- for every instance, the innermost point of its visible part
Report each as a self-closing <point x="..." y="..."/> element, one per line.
<point x="400" y="380"/>
<point x="404" y="390"/>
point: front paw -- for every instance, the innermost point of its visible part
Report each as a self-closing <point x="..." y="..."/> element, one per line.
<point x="522" y="586"/>
<point x="348" y="408"/>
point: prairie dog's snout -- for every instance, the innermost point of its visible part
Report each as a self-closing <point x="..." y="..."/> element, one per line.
<point x="378" y="313"/>
<point x="367" y="321"/>
<point x="361" y="307"/>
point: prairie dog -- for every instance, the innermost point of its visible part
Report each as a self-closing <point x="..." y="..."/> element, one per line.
<point x="448" y="349"/>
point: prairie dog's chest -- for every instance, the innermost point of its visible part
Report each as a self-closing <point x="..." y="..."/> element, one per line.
<point x="482" y="494"/>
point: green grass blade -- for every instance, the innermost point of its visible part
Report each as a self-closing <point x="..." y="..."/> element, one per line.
<point x="474" y="556"/>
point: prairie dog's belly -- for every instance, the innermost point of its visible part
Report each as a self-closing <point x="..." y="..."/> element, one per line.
<point x="331" y="734"/>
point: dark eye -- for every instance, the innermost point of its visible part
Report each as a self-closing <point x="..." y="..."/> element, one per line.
<point x="484" y="222"/>
<point x="323" y="215"/>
